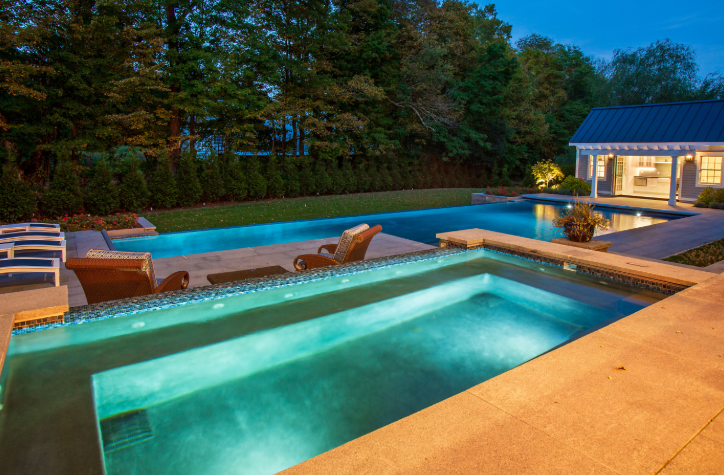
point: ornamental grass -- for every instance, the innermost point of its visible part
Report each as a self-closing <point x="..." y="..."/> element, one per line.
<point x="580" y="222"/>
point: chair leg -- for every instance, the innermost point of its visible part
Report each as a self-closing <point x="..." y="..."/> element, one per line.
<point x="57" y="277"/>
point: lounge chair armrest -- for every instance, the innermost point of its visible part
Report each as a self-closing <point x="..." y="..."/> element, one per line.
<point x="312" y="261"/>
<point x="176" y="281"/>
<point x="330" y="248"/>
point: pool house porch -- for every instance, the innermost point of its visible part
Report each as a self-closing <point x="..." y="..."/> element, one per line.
<point x="663" y="151"/>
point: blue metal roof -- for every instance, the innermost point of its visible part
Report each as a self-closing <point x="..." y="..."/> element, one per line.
<point x="674" y="122"/>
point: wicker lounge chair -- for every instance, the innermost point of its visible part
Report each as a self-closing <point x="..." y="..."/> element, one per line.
<point x="10" y="228"/>
<point x="26" y="265"/>
<point x="112" y="275"/>
<point x="33" y="236"/>
<point x="12" y="247"/>
<point x="352" y="247"/>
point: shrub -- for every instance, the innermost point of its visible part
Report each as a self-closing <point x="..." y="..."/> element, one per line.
<point x="705" y="197"/>
<point x="435" y="178"/>
<point x="235" y="180"/>
<point x="307" y="183"/>
<point x="718" y="196"/>
<point x="162" y="186"/>
<point x="577" y="185"/>
<point x="212" y="184"/>
<point x="275" y="184"/>
<point x="64" y="195"/>
<point x="17" y="199"/>
<point x="322" y="182"/>
<point x="716" y="205"/>
<point x="351" y="183"/>
<point x="375" y="180"/>
<point x="291" y="180"/>
<point x="255" y="181"/>
<point x="408" y="175"/>
<point x="386" y="181"/>
<point x="336" y="177"/>
<point x="528" y="178"/>
<point x="396" y="175"/>
<point x="101" y="196"/>
<point x="187" y="181"/>
<point x="134" y="191"/>
<point x="363" y="178"/>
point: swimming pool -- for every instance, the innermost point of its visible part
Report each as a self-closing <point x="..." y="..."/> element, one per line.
<point x="255" y="383"/>
<point x="520" y="218"/>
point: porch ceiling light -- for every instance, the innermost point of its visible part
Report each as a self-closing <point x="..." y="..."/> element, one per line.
<point x="689" y="158"/>
<point x="610" y="155"/>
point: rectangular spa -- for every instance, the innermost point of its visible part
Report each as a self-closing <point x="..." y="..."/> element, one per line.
<point x="256" y="383"/>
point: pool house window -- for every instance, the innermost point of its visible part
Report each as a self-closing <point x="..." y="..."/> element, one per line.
<point x="600" y="166"/>
<point x="710" y="171"/>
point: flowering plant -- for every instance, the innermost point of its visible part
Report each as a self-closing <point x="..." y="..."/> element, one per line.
<point x="81" y="222"/>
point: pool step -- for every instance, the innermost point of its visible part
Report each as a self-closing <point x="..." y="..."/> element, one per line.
<point x="125" y="429"/>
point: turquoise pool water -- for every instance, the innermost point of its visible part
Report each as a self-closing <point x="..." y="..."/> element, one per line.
<point x="522" y="218"/>
<point x="255" y="383"/>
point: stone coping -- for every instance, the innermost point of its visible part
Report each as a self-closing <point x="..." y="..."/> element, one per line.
<point x="592" y="245"/>
<point x="146" y="229"/>
<point x="6" y="328"/>
<point x="482" y="198"/>
<point x="569" y="198"/>
<point x="617" y="263"/>
<point x="641" y="395"/>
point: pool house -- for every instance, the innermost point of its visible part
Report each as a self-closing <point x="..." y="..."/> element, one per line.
<point x="667" y="151"/>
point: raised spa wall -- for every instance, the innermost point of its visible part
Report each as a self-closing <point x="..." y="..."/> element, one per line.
<point x="642" y="395"/>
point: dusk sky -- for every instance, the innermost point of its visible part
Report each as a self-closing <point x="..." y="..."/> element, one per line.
<point x="600" y="27"/>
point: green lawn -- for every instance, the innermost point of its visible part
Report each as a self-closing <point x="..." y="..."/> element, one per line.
<point x="306" y="208"/>
<point x="702" y="256"/>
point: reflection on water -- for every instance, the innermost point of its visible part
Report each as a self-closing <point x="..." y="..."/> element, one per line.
<point x="622" y="222"/>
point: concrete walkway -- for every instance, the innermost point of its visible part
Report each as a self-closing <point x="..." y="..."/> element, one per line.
<point x="660" y="240"/>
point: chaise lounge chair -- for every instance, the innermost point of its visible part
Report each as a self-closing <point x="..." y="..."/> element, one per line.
<point x="9" y="228"/>
<point x="26" y="265"/>
<point x="352" y="247"/>
<point x="33" y="236"/>
<point x="113" y="275"/>
<point x="32" y="245"/>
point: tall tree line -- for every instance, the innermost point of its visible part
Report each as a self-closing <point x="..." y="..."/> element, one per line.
<point x="358" y="81"/>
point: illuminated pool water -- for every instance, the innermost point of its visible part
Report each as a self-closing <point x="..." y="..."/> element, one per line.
<point x="521" y="218"/>
<point x="253" y="384"/>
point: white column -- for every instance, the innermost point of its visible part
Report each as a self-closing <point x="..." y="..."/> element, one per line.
<point x="578" y="158"/>
<point x="594" y="177"/>
<point x="672" y="189"/>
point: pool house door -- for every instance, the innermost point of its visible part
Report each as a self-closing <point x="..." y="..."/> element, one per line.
<point x="618" y="175"/>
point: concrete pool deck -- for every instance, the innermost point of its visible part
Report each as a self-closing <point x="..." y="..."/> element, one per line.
<point x="642" y="395"/>
<point x="200" y="265"/>
<point x="660" y="240"/>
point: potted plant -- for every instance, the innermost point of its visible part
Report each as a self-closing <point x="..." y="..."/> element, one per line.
<point x="579" y="223"/>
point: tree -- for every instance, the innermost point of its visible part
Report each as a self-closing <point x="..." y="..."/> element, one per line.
<point x="134" y="190"/>
<point x="187" y="181"/>
<point x="663" y="71"/>
<point x="162" y="187"/>
<point x="17" y="199"/>
<point x="64" y="195"/>
<point x="101" y="195"/>
<point x="546" y="171"/>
